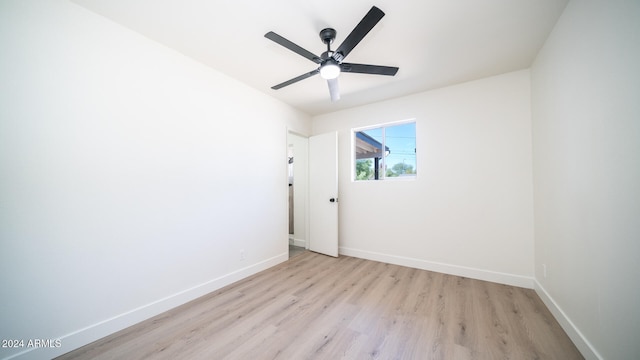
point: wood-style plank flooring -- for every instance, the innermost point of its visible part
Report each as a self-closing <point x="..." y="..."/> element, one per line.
<point x="318" y="307"/>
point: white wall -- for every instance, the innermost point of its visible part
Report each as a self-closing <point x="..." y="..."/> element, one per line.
<point x="130" y="176"/>
<point x="470" y="210"/>
<point x="586" y="131"/>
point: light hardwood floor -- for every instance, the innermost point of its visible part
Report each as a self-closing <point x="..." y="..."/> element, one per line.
<point x="318" y="307"/>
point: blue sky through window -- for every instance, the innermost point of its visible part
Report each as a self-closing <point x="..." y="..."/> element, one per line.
<point x="401" y="141"/>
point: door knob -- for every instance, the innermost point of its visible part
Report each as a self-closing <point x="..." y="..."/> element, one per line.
<point x="332" y="200"/>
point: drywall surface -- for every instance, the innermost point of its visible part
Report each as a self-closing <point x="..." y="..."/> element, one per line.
<point x="132" y="177"/>
<point x="469" y="211"/>
<point x="586" y="140"/>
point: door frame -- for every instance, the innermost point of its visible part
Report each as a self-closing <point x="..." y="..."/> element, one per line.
<point x="305" y="191"/>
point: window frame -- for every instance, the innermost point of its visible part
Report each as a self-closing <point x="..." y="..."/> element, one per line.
<point x="383" y="127"/>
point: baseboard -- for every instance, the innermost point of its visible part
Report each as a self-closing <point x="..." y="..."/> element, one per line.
<point x="300" y="243"/>
<point x="584" y="346"/>
<point x="473" y="273"/>
<point x="97" y="331"/>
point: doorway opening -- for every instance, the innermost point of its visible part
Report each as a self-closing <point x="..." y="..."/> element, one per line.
<point x="297" y="153"/>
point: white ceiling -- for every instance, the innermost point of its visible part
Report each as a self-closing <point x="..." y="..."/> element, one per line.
<point x="435" y="43"/>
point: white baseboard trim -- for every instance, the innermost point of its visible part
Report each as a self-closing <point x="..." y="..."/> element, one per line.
<point x="584" y="346"/>
<point x="99" y="330"/>
<point x="300" y="243"/>
<point x="473" y="273"/>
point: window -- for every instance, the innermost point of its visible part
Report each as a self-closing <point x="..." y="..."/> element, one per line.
<point x="397" y="160"/>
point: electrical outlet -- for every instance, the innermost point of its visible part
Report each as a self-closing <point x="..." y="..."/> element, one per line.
<point x="242" y="254"/>
<point x="544" y="271"/>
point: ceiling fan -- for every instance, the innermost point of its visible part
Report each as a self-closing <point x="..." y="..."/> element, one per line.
<point x="331" y="62"/>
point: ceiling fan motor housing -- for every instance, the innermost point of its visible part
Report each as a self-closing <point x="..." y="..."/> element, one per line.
<point x="328" y="35"/>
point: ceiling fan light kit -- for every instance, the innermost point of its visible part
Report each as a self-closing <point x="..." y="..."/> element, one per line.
<point x="329" y="70"/>
<point x="331" y="62"/>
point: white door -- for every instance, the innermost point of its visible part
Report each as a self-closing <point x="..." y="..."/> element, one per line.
<point x="323" y="194"/>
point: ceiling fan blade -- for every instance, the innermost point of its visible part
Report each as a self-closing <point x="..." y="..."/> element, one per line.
<point x="293" y="47"/>
<point x="368" y="69"/>
<point x="296" y="79"/>
<point x="334" y="89"/>
<point x="359" y="32"/>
